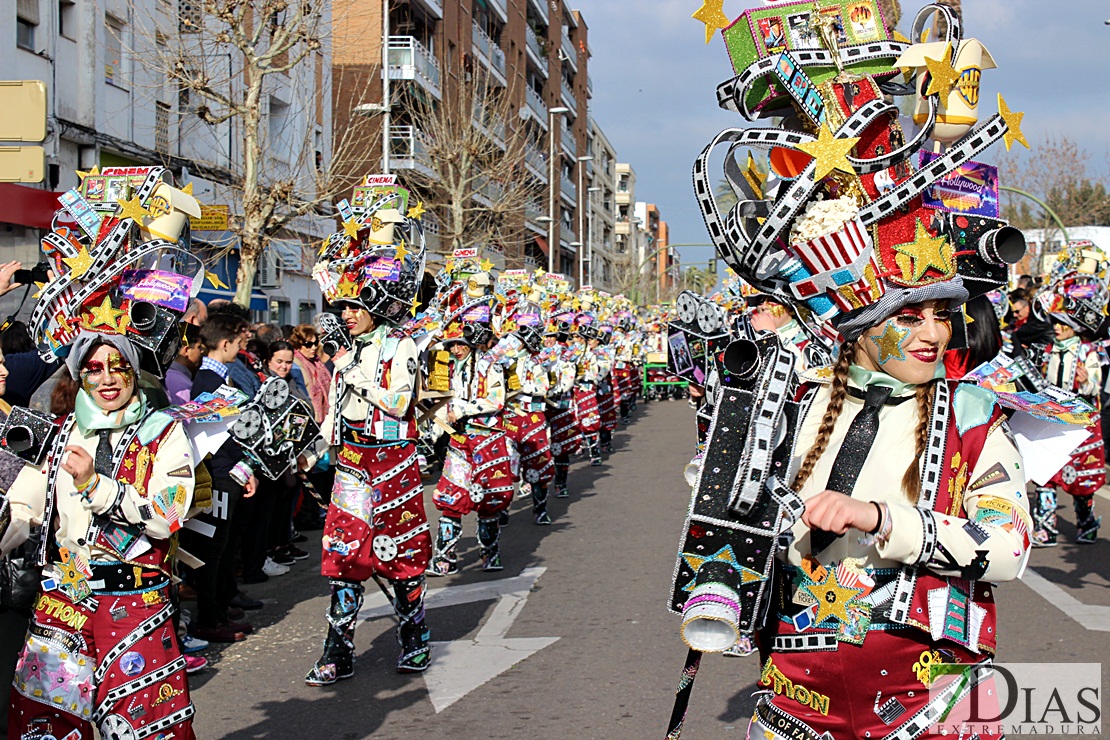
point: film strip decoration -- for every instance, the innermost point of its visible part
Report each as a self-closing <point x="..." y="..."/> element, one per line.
<point x="132" y="687"/>
<point x="130" y="640"/>
<point x="805" y="644"/>
<point x="954" y="29"/>
<point x="940" y="703"/>
<point x="339" y="240"/>
<point x="53" y="466"/>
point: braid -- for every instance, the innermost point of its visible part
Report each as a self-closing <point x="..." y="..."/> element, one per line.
<point x="911" y="480"/>
<point x="832" y="413"/>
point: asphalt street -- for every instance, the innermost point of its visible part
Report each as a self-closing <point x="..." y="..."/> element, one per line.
<point x="573" y="638"/>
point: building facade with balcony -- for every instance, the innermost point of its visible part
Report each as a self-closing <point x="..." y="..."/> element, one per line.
<point x="108" y="104"/>
<point x="602" y="211"/>
<point x="536" y="50"/>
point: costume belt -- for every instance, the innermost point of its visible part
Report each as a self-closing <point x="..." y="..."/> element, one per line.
<point x="125" y="578"/>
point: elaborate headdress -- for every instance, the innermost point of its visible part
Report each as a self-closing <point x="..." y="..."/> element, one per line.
<point x="843" y="225"/>
<point x="377" y="260"/>
<point x="123" y="271"/>
<point x="1076" y="294"/>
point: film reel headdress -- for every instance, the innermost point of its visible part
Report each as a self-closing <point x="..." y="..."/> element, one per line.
<point x="854" y="218"/>
<point x="1077" y="294"/>
<point x="377" y="261"/>
<point x="123" y="271"/>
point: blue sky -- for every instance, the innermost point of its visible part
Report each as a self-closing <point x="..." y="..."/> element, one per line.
<point x="655" y="81"/>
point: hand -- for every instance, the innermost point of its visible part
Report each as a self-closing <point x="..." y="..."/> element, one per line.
<point x="7" y="270"/>
<point x="79" y="464"/>
<point x="339" y="354"/>
<point x="302" y="462"/>
<point x="451" y="417"/>
<point x="251" y="487"/>
<point x="837" y="513"/>
<point x="1081" y="374"/>
<point x="763" y="321"/>
<point x="696" y="391"/>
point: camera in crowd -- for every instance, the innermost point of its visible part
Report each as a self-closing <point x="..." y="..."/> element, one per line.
<point x="333" y="334"/>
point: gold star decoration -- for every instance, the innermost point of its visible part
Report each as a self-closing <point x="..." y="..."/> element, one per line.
<point x="1013" y="122"/>
<point x="350" y="228"/>
<point x="942" y="76"/>
<point x="724" y="555"/>
<point x="415" y="303"/>
<point x="188" y="189"/>
<point x="80" y="264"/>
<point x="95" y="171"/>
<point x="712" y="14"/>
<point x="214" y="280"/>
<point x="417" y="210"/>
<point x="890" y="343"/>
<point x="400" y="252"/>
<point x="132" y="209"/>
<point x="486" y="265"/>
<point x="832" y="598"/>
<point x="830" y="152"/>
<point x="924" y="252"/>
<point x="105" y="315"/>
<point x="539" y="273"/>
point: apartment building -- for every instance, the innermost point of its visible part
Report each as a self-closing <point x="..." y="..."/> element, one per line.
<point x="536" y="51"/>
<point x="601" y="238"/>
<point x="109" y="105"/>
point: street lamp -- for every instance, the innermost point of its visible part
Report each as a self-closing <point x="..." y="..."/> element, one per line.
<point x="581" y="220"/>
<point x="589" y="237"/>
<point x="551" y="113"/>
<point x="387" y="119"/>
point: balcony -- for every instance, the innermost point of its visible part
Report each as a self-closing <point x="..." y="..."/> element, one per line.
<point x="434" y="8"/>
<point x="490" y="54"/>
<point x="569" y="143"/>
<point x="536" y="105"/>
<point x="407" y="150"/>
<point x="568" y="190"/>
<point x="568" y="96"/>
<point x="536" y="161"/>
<point x="536" y="51"/>
<point x="488" y="192"/>
<point x="500" y="9"/>
<point x="590" y="170"/>
<point x="533" y="211"/>
<point x="567" y="237"/>
<point x="409" y="60"/>
<point x="569" y="52"/>
<point x="589" y="84"/>
<point x="541" y="8"/>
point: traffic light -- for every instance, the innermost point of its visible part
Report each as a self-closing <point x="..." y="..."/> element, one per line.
<point x="22" y="119"/>
<point x="713" y="266"/>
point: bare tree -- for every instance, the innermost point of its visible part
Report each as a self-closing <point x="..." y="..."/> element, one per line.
<point x="232" y="63"/>
<point x="474" y="149"/>
<point x="892" y="12"/>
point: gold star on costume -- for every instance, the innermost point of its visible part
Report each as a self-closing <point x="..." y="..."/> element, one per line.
<point x="724" y="555"/>
<point x="830" y="152"/>
<point x="540" y="272"/>
<point x="188" y="189"/>
<point x="1013" y="122"/>
<point x="415" y="303"/>
<point x="350" y="228"/>
<point x="925" y="251"/>
<point x="832" y="598"/>
<point x="713" y="16"/>
<point x="214" y="280"/>
<point x="71" y="575"/>
<point x="95" y="171"/>
<point x="105" y="315"/>
<point x="942" y="76"/>
<point x="486" y="265"/>
<point x="80" y="264"/>
<point x="890" y="343"/>
<point x="132" y="209"/>
<point x="417" y="210"/>
<point x="400" y="252"/>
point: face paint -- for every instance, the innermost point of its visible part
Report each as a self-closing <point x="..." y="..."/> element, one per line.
<point x="93" y="373"/>
<point x="121" y="368"/>
<point x="890" y="342"/>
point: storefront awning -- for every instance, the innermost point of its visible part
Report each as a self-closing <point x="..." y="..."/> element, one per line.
<point x="28" y="207"/>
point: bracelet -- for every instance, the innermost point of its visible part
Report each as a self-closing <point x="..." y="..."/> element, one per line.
<point x="881" y="534"/>
<point x="84" y="490"/>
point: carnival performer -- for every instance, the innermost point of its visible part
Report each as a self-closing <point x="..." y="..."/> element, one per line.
<point x="108" y="495"/>
<point x="608" y="401"/>
<point x="376" y="526"/>
<point x="853" y="518"/>
<point x="477" y="474"/>
<point x="625" y="366"/>
<point x="565" y="436"/>
<point x="589" y="371"/>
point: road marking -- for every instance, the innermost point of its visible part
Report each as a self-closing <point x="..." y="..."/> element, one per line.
<point x="1090" y="616"/>
<point x="460" y="666"/>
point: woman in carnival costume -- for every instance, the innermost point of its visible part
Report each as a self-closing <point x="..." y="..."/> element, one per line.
<point x="851" y="519"/>
<point x="376" y="526"/>
<point x="110" y="489"/>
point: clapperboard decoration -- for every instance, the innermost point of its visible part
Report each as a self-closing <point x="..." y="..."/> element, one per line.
<point x="274" y="428"/>
<point x="698" y="332"/>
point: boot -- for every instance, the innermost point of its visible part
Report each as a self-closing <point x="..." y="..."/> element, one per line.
<point x="338" y="660"/>
<point x="1044" y="518"/>
<point x="503" y="518"/>
<point x="412" y="629"/>
<point x="562" y="468"/>
<point x="626" y="411"/>
<point x="445" y="559"/>
<point x="1085" y="520"/>
<point x="606" y="441"/>
<point x="539" y="504"/>
<point x="594" y="447"/>
<point x="489" y="536"/>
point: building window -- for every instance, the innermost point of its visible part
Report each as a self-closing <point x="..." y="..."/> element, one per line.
<point x="26" y="21"/>
<point x="189" y="16"/>
<point x="306" y="312"/>
<point x="622" y="184"/>
<point x="114" y="72"/>
<point x="162" y="127"/>
<point x="67" y="19"/>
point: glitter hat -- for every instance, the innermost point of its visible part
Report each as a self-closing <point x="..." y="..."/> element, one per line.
<point x="122" y="268"/>
<point x="847" y="216"/>
<point x="377" y="261"/>
<point x="1076" y="294"/>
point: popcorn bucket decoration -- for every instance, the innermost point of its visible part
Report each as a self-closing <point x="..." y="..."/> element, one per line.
<point x="839" y="257"/>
